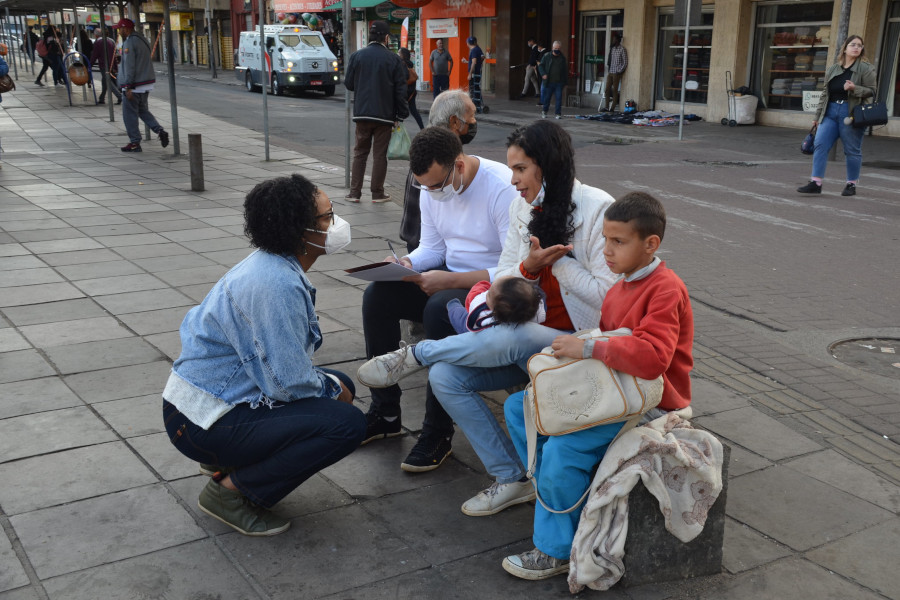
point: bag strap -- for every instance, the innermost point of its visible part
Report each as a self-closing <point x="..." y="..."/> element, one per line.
<point x="531" y="439"/>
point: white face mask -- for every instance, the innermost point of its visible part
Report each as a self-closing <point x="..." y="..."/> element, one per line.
<point x="336" y="238"/>
<point x="448" y="192"/>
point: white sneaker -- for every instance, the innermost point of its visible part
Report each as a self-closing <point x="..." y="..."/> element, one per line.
<point x="497" y="497"/>
<point x="386" y="370"/>
<point x="543" y="115"/>
<point x="534" y="565"/>
<point x="558" y="117"/>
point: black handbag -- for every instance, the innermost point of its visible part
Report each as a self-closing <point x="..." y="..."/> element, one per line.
<point x="809" y="143"/>
<point x="870" y="115"/>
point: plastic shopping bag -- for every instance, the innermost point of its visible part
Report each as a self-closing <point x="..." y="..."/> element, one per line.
<point x="398" y="149"/>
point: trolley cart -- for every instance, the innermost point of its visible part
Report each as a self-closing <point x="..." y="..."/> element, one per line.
<point x="731" y="119"/>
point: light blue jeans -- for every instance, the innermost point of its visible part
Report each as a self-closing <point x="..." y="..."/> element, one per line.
<point x="493" y="359"/>
<point x="564" y="470"/>
<point x="830" y="129"/>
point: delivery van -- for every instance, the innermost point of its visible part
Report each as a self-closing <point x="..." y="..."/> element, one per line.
<point x="298" y="58"/>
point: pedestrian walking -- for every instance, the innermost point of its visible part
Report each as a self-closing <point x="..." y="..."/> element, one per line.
<point x="441" y="64"/>
<point x="554" y="73"/>
<point x="847" y="82"/>
<point x="104" y="50"/>
<point x="411" y="92"/>
<point x="377" y="77"/>
<point x="531" y="74"/>
<point x="136" y="79"/>
<point x="616" y="64"/>
<point x="476" y="61"/>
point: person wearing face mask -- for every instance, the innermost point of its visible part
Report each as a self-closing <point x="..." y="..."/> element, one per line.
<point x="244" y="398"/>
<point x="464" y="205"/>
<point x="555" y="239"/>
<point x="455" y="111"/>
<point x="554" y="72"/>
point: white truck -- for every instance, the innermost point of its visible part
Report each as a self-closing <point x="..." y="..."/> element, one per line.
<point x="298" y="58"/>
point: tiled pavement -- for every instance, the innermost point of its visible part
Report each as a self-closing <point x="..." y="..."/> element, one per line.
<point x="101" y="254"/>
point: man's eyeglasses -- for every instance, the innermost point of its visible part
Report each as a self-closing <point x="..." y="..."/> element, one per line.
<point x="433" y="188"/>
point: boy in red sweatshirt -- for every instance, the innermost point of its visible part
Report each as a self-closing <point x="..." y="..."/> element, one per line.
<point x="653" y="302"/>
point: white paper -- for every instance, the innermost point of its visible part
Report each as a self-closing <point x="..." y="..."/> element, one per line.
<point x="381" y="271"/>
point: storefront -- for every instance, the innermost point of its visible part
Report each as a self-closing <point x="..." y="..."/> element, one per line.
<point x="889" y="63"/>
<point x="790" y="52"/>
<point x="670" y="58"/>
<point x="454" y="22"/>
<point x="597" y="28"/>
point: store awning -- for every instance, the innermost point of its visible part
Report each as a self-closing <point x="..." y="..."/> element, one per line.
<point x="356" y="4"/>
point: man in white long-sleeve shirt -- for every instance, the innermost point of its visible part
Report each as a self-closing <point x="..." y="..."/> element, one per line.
<point x="465" y="213"/>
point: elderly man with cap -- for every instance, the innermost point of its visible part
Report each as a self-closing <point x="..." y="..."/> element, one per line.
<point x="136" y="78"/>
<point x="377" y="77"/>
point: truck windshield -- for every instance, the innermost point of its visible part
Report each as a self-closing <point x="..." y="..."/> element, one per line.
<point x="293" y="40"/>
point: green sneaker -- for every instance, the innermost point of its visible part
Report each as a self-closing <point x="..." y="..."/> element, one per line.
<point x="236" y="511"/>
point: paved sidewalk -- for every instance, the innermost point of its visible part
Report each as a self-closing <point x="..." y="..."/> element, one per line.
<point x="102" y="253"/>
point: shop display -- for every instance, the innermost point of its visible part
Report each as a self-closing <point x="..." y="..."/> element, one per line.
<point x="797" y="57"/>
<point x="697" y="74"/>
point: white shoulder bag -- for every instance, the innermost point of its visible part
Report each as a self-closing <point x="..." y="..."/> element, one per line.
<point x="570" y="394"/>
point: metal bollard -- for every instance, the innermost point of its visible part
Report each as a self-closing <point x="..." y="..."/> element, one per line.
<point x="195" y="153"/>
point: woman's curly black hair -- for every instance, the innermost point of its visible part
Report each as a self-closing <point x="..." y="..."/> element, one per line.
<point x="550" y="146"/>
<point x="278" y="212"/>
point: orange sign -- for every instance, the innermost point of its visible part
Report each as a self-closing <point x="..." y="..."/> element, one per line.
<point x="442" y="9"/>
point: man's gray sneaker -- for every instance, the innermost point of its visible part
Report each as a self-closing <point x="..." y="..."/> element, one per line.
<point x="236" y="511"/>
<point x="498" y="497"/>
<point x="534" y="565"/>
<point x="386" y="370"/>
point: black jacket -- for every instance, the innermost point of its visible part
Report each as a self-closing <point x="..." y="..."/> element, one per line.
<point x="377" y="77"/>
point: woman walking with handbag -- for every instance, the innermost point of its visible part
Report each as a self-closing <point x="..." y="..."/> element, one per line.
<point x="847" y="83"/>
<point x="411" y="92"/>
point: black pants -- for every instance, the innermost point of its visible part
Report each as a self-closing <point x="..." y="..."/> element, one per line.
<point x="113" y="91"/>
<point x="384" y="304"/>
<point x="44" y="68"/>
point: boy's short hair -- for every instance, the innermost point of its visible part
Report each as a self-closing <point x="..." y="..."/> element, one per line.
<point x="515" y="301"/>
<point x="433" y="145"/>
<point x="645" y="211"/>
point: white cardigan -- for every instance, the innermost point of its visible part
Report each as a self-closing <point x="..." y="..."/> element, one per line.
<point x="583" y="280"/>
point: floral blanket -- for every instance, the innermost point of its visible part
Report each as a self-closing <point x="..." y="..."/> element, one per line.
<point x="681" y="466"/>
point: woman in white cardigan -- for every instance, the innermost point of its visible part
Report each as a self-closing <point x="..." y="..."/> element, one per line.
<point x="555" y="239"/>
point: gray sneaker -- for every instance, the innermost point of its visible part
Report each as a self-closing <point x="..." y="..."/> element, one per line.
<point x="236" y="511"/>
<point x="534" y="565"/>
<point x="498" y="497"/>
<point x="386" y="370"/>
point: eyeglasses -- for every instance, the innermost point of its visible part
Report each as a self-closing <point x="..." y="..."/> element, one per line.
<point x="432" y="188"/>
<point x="854" y="45"/>
<point x="329" y="215"/>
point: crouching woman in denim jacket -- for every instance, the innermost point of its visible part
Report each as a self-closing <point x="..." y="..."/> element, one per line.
<point x="244" y="398"/>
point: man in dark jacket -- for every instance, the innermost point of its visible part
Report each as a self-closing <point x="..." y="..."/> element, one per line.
<point x="378" y="78"/>
<point x="554" y="74"/>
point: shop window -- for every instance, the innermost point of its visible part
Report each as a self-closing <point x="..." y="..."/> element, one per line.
<point x="889" y="73"/>
<point x="790" y="52"/>
<point x="596" y="31"/>
<point x="671" y="58"/>
<point x="485" y="31"/>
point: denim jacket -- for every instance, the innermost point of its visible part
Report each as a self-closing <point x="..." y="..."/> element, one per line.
<point x="251" y="340"/>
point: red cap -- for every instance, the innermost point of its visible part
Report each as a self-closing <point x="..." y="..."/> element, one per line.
<point x="124" y="23"/>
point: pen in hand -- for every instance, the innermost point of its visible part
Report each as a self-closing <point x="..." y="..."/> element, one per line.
<point x="391" y="246"/>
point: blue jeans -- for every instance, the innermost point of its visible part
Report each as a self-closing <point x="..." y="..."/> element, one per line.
<point x="550" y="89"/>
<point x="830" y="129"/>
<point x="493" y="359"/>
<point x="273" y="449"/>
<point x="564" y="471"/>
<point x="138" y="107"/>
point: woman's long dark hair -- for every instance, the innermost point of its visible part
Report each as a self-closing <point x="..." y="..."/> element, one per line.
<point x="548" y="145"/>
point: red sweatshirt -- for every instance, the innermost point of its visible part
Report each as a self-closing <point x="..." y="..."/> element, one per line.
<point x="657" y="309"/>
